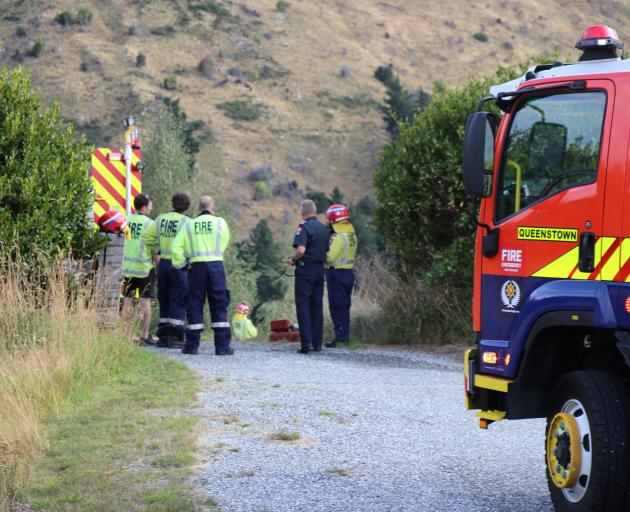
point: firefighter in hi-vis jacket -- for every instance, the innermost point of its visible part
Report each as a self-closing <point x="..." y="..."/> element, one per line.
<point x="242" y="326"/>
<point x="199" y="248"/>
<point x="172" y="282"/>
<point x="137" y="267"/>
<point x="340" y="276"/>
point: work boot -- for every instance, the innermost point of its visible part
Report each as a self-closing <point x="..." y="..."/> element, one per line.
<point x="228" y="352"/>
<point x="303" y="350"/>
<point x="331" y="344"/>
<point x="164" y="341"/>
<point x="191" y="351"/>
<point x="146" y="342"/>
<point x="317" y="349"/>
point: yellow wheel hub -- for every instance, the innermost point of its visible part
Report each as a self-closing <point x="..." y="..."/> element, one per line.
<point x="564" y="450"/>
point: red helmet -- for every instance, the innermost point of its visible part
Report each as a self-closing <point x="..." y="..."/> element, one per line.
<point x="113" y="222"/>
<point x="242" y="308"/>
<point x="337" y="213"/>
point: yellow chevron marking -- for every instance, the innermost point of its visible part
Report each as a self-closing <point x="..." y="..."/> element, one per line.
<point x="611" y="267"/>
<point x="120" y="167"/>
<point x="560" y="267"/>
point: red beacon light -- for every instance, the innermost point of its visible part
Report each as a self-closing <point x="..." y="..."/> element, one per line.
<point x="599" y="42"/>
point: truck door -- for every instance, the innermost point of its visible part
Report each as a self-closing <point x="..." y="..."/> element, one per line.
<point x="548" y="195"/>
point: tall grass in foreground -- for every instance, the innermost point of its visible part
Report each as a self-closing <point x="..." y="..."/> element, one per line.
<point x="388" y="308"/>
<point x="49" y="341"/>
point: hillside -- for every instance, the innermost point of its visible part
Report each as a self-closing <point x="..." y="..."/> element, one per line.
<point x="303" y="71"/>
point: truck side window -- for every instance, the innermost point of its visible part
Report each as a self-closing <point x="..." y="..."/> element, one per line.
<point x="553" y="144"/>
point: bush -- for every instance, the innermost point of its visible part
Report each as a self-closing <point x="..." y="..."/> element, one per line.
<point x="65" y="18"/>
<point x="206" y="67"/>
<point x="261" y="191"/>
<point x="84" y="16"/>
<point x="282" y="5"/>
<point x="170" y="83"/>
<point x="424" y="215"/>
<point x="220" y="12"/>
<point x="241" y="110"/>
<point x="481" y="37"/>
<point x="165" y="31"/>
<point x="141" y="60"/>
<point x="400" y="104"/>
<point x="36" y="50"/>
<point x="45" y="193"/>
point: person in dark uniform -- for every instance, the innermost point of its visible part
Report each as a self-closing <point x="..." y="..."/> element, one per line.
<point x="311" y="245"/>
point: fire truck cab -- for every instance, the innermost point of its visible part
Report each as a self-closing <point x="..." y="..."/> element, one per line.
<point x="551" y="302"/>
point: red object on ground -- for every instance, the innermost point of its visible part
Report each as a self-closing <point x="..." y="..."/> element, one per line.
<point x="281" y="326"/>
<point x="284" y="330"/>
<point x="284" y="336"/>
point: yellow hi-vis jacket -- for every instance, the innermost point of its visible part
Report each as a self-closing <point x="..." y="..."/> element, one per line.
<point x="137" y="260"/>
<point x="342" y="247"/>
<point x="162" y="232"/>
<point x="243" y="328"/>
<point x="203" y="239"/>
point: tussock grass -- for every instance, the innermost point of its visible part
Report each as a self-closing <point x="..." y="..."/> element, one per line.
<point x="393" y="308"/>
<point x="283" y="435"/>
<point x="49" y="342"/>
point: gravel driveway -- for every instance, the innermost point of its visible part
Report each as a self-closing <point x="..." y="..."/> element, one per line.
<point x="379" y="430"/>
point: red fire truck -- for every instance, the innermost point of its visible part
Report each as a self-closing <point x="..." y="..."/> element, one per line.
<point x="551" y="305"/>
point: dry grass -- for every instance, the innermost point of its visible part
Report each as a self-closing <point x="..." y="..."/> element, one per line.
<point x="49" y="342"/>
<point x="388" y="309"/>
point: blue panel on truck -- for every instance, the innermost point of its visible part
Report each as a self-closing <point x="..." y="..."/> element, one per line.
<point x="511" y="306"/>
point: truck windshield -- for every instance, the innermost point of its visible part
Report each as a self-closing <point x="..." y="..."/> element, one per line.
<point x="553" y="144"/>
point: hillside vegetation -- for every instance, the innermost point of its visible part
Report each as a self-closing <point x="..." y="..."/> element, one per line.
<point x="282" y="88"/>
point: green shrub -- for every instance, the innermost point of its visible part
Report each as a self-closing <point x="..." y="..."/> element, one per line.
<point x="267" y="72"/>
<point x="36" y="50"/>
<point x="220" y="12"/>
<point x="165" y="31"/>
<point x="261" y="191"/>
<point x="44" y="187"/>
<point x="424" y="215"/>
<point x="282" y="5"/>
<point x="206" y="67"/>
<point x="400" y="104"/>
<point x="170" y="83"/>
<point x="481" y="37"/>
<point x="241" y="110"/>
<point x="84" y="16"/>
<point x="65" y="18"/>
<point x="141" y="60"/>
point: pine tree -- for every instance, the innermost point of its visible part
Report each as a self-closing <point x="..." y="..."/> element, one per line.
<point x="268" y="264"/>
<point x="336" y="196"/>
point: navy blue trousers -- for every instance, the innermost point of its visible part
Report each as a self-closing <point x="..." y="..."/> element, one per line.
<point x="309" y="303"/>
<point x="340" y="283"/>
<point x="207" y="281"/>
<point x="172" y="292"/>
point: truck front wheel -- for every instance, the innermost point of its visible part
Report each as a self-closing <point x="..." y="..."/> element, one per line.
<point x="588" y="444"/>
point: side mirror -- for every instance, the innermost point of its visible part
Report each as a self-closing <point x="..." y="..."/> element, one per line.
<point x="478" y="162"/>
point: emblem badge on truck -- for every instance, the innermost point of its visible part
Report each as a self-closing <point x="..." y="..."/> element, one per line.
<point x="510" y="294"/>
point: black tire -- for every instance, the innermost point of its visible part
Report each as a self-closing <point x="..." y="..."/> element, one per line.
<point x="606" y="404"/>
